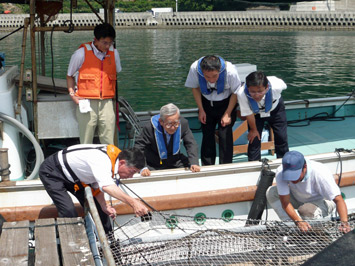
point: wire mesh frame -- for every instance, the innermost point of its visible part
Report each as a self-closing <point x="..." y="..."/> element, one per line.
<point x="183" y="240"/>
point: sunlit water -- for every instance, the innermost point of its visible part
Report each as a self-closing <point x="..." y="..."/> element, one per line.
<point x="156" y="62"/>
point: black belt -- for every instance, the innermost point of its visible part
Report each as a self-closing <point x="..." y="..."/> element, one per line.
<point x="216" y="103"/>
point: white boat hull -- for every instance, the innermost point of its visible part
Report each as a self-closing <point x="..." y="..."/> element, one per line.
<point x="212" y="191"/>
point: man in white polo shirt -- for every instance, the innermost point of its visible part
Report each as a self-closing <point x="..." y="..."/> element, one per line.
<point x="309" y="187"/>
<point x="214" y="83"/>
<point x="97" y="166"/>
<point x="260" y="101"/>
<point x="91" y="82"/>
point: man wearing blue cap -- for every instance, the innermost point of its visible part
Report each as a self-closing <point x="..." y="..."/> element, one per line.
<point x="309" y="187"/>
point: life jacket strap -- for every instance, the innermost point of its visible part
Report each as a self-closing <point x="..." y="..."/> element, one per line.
<point x="112" y="151"/>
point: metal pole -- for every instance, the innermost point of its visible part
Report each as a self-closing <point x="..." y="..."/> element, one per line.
<point x="42" y="45"/>
<point x="22" y="67"/>
<point x="176" y="9"/>
<point x="100" y="229"/>
<point x="4" y="165"/>
<point x="34" y="70"/>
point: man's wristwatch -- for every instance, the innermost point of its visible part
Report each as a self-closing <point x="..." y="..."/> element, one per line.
<point x="71" y="93"/>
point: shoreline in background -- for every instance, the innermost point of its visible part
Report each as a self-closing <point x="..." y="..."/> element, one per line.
<point x="243" y="20"/>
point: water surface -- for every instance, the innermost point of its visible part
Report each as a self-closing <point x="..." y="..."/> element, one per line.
<point x="155" y="62"/>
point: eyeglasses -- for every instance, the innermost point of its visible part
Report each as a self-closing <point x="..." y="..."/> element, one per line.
<point x="252" y="93"/>
<point x="172" y="124"/>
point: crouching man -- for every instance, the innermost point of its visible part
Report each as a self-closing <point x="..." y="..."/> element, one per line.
<point x="97" y="166"/>
<point x="309" y="187"/>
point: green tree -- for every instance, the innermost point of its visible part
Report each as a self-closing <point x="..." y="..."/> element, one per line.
<point x="143" y="5"/>
<point x="196" y="5"/>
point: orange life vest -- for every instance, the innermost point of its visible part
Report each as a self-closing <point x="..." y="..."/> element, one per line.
<point x="111" y="150"/>
<point x="97" y="78"/>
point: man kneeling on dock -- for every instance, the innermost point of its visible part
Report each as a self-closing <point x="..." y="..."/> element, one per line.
<point x="309" y="187"/>
<point x="161" y="139"/>
<point x="100" y="167"/>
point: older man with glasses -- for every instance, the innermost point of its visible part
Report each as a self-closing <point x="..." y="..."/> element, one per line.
<point x="260" y="101"/>
<point x="91" y="81"/>
<point x="161" y="139"/>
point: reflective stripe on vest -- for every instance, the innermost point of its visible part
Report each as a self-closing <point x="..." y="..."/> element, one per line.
<point x="97" y="78"/>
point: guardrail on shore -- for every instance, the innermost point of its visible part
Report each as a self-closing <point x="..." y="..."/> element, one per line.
<point x="267" y="20"/>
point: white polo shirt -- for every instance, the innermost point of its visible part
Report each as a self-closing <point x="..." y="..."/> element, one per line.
<point x="278" y="85"/>
<point x="231" y="85"/>
<point x="91" y="166"/>
<point x="317" y="184"/>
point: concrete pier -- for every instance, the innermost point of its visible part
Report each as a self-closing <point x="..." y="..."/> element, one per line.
<point x="243" y="20"/>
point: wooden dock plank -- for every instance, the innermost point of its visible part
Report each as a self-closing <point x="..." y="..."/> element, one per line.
<point x="14" y="243"/>
<point x="46" y="243"/>
<point x="74" y="242"/>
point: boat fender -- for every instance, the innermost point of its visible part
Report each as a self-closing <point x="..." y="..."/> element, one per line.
<point x="172" y="222"/>
<point x="227" y="215"/>
<point x="259" y="203"/>
<point x="200" y="218"/>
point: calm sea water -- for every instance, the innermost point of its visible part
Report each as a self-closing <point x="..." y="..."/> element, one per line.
<point x="155" y="62"/>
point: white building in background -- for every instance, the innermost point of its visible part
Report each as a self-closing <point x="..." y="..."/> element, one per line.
<point x="101" y="10"/>
<point x="156" y="11"/>
<point x="324" y="6"/>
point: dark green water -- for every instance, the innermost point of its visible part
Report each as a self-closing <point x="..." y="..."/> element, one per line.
<point x="156" y="62"/>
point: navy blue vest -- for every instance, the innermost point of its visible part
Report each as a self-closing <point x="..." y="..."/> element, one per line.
<point x="220" y="82"/>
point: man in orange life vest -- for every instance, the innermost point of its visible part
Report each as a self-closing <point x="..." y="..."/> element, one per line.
<point x="93" y="68"/>
<point x="100" y="167"/>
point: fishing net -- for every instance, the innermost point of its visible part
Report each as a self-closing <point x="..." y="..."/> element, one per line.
<point x="165" y="239"/>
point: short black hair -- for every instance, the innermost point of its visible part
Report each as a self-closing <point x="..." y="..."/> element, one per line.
<point x="133" y="157"/>
<point x="211" y="63"/>
<point x="256" y="78"/>
<point x="104" y="30"/>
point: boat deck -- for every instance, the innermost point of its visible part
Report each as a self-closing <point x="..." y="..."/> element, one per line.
<point x="317" y="137"/>
<point x="73" y="248"/>
<point x="314" y="137"/>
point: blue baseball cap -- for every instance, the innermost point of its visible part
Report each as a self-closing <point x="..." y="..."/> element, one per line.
<point x="292" y="163"/>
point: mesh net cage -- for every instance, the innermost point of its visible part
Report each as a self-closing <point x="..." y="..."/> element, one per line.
<point x="165" y="239"/>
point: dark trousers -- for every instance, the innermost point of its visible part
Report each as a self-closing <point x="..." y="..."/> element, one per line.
<point x="214" y="115"/>
<point x="278" y="122"/>
<point x="57" y="186"/>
